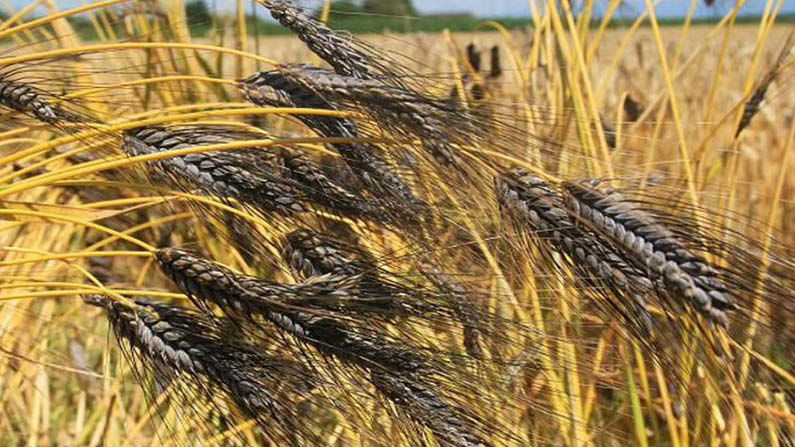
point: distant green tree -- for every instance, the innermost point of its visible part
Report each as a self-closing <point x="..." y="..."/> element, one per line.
<point x="390" y="7"/>
<point x="198" y="12"/>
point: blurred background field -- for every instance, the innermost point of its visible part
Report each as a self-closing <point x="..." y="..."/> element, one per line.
<point x="628" y="64"/>
<point x="63" y="383"/>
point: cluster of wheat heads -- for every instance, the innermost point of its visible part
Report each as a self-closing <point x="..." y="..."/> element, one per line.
<point x="359" y="251"/>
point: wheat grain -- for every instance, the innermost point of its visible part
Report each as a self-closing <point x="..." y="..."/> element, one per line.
<point x="495" y="71"/>
<point x="632" y="109"/>
<point x="310" y="255"/>
<point x="278" y="180"/>
<point x="271" y="88"/>
<point x="347" y="55"/>
<point x="534" y="204"/>
<point x="244" y="175"/>
<point x="656" y="249"/>
<point x="465" y="309"/>
<point x="246" y="297"/>
<point x="27" y="99"/>
<point x="755" y="101"/>
<point x="392" y="107"/>
<point x="395" y="369"/>
<point x="378" y="291"/>
<point x="181" y="344"/>
<point x="320" y="189"/>
<point x="425" y="407"/>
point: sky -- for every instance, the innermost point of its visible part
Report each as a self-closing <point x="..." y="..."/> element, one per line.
<point x="667" y="8"/>
<point x="521" y="8"/>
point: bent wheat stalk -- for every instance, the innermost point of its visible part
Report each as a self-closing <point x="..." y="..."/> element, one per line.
<point x="25" y="98"/>
<point x="311" y="255"/>
<point x="187" y="350"/>
<point x="246" y="298"/>
<point x="347" y="55"/>
<point x="424" y="406"/>
<point x="278" y="180"/>
<point x="688" y="277"/>
<point x="395" y="109"/>
<point x="249" y="176"/>
<point x="272" y="88"/>
<point x="535" y="205"/>
<point x="392" y="367"/>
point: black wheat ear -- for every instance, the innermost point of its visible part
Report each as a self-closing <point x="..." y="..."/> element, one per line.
<point x="190" y="351"/>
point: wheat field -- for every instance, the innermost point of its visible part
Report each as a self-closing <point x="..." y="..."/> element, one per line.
<point x="565" y="235"/>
